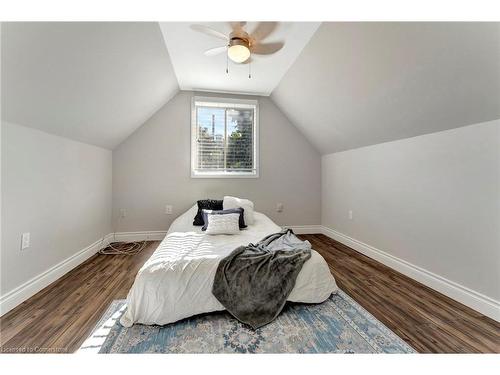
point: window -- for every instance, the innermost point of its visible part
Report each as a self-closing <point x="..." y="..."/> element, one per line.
<point x="224" y="138"/>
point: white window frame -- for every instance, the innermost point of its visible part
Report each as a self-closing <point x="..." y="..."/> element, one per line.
<point x="222" y="102"/>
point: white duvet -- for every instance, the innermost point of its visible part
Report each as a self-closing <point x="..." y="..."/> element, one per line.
<point x="176" y="282"/>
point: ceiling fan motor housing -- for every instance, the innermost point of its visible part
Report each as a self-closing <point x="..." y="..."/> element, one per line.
<point x="240" y="38"/>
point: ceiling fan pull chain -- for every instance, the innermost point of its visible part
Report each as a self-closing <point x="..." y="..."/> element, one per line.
<point x="249" y="70"/>
<point x="227" y="64"/>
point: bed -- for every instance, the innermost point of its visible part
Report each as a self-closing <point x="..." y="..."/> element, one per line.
<point x="176" y="281"/>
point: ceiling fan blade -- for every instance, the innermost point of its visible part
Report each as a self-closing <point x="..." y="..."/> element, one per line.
<point x="237" y="25"/>
<point x="263" y="30"/>
<point x="208" y="31"/>
<point x="267" y="48"/>
<point x="215" y="51"/>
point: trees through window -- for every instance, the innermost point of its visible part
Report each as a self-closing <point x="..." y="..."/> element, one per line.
<point x="224" y="138"/>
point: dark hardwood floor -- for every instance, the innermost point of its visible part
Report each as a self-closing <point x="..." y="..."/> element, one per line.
<point x="427" y="320"/>
<point x="61" y="316"/>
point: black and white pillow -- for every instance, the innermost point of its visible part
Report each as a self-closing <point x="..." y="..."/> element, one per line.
<point x="206" y="204"/>
<point x="239" y="210"/>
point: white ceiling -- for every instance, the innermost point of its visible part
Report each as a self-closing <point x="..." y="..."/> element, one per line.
<point x="91" y="82"/>
<point x="358" y="84"/>
<point x="195" y="71"/>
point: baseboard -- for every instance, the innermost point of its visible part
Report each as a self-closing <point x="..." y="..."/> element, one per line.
<point x="304" y="229"/>
<point x="20" y="294"/>
<point x="138" y="236"/>
<point x="475" y="300"/>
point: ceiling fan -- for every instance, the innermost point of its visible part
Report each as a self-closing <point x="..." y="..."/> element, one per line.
<point x="240" y="45"/>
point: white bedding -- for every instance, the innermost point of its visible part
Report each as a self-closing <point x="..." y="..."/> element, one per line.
<point x="176" y="282"/>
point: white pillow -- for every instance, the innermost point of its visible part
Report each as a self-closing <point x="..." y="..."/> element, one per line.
<point x="223" y="224"/>
<point x="233" y="202"/>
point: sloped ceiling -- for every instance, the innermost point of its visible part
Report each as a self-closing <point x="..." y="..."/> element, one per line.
<point x="353" y="84"/>
<point x="195" y="71"/>
<point x="91" y="82"/>
<point x="357" y="84"/>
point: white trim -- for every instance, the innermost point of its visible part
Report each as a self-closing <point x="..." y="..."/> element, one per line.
<point x="223" y="102"/>
<point x="224" y="174"/>
<point x="305" y="229"/>
<point x="475" y="300"/>
<point x="226" y="92"/>
<point x="250" y="103"/>
<point x="138" y="236"/>
<point x="20" y="294"/>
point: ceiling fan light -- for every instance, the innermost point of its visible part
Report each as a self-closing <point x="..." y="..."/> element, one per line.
<point x="238" y="53"/>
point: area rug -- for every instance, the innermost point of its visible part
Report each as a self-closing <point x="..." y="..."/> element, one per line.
<point x="338" y="325"/>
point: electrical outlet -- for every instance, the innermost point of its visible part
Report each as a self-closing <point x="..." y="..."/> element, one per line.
<point x="168" y="209"/>
<point x="350" y="214"/>
<point x="123" y="212"/>
<point x="279" y="207"/>
<point x="25" y="241"/>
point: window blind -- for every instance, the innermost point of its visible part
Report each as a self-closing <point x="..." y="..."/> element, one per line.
<point x="225" y="139"/>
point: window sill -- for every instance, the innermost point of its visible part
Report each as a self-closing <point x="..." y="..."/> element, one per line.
<point x="224" y="175"/>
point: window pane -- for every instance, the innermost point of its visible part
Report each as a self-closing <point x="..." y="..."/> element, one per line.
<point x="223" y="141"/>
<point x="211" y="138"/>
<point x="239" y="139"/>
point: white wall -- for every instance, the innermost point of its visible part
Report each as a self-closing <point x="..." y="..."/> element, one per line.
<point x="431" y="200"/>
<point x="152" y="169"/>
<point x="357" y="84"/>
<point x="93" y="82"/>
<point x="58" y="190"/>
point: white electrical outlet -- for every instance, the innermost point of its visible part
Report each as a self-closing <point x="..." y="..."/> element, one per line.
<point x="279" y="207"/>
<point x="25" y="241"/>
<point x="168" y="209"/>
<point x="350" y="214"/>
<point x="123" y="212"/>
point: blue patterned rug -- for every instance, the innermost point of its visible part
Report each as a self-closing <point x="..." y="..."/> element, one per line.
<point x="338" y="325"/>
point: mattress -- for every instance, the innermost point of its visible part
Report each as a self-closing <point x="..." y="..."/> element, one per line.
<point x="176" y="281"/>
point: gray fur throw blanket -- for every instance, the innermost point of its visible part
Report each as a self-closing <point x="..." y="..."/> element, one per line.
<point x="254" y="281"/>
